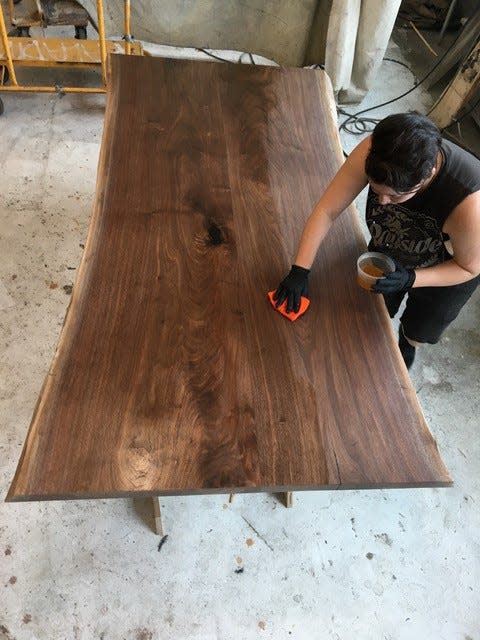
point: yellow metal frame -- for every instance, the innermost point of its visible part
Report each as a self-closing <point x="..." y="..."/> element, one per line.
<point x="54" y="52"/>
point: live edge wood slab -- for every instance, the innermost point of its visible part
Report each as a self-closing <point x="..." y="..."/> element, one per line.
<point x="173" y="374"/>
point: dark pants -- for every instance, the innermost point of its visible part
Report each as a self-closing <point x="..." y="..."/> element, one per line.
<point x="429" y="310"/>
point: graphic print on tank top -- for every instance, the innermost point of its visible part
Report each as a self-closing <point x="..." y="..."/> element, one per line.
<point x="412" y="238"/>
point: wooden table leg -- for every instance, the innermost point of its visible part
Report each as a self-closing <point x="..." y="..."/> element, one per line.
<point x="288" y="499"/>
<point x="157" y="515"/>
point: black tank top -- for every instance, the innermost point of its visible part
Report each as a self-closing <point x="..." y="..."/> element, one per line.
<point x="411" y="232"/>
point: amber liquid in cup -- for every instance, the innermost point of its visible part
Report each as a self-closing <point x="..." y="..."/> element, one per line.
<point x="370" y="270"/>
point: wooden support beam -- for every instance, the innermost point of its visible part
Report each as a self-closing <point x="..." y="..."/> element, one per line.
<point x="288" y="499"/>
<point x="464" y="84"/>
<point x="157" y="516"/>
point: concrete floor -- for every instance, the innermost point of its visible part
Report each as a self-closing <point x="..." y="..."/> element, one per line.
<point x="363" y="565"/>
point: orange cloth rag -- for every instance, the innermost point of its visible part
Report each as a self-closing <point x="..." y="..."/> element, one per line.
<point x="304" y="304"/>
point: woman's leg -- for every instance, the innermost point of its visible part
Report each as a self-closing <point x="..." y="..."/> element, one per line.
<point x="428" y="312"/>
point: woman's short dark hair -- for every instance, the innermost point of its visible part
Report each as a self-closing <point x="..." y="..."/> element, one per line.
<point x="404" y="151"/>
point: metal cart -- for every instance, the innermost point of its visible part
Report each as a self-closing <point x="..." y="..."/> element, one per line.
<point x="45" y="52"/>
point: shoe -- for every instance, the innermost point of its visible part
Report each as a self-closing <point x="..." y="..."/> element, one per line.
<point x="406" y="349"/>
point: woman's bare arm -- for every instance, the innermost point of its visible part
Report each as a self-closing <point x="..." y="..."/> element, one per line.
<point x="463" y="227"/>
<point x="349" y="181"/>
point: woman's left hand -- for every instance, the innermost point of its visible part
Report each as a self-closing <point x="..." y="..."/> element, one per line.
<point x="401" y="280"/>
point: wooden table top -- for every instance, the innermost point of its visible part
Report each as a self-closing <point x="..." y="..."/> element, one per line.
<point x="173" y="375"/>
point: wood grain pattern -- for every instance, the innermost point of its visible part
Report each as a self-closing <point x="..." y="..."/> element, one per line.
<point x="173" y="374"/>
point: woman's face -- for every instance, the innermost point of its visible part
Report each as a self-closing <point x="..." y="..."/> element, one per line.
<point x="387" y="195"/>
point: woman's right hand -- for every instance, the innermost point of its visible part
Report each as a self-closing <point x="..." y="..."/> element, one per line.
<point x="292" y="288"/>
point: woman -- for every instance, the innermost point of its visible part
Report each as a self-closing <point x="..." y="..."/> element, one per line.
<point x="423" y="210"/>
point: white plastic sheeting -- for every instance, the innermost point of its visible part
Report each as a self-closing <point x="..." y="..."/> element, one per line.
<point x="357" y="37"/>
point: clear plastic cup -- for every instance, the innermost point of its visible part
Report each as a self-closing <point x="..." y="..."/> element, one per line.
<point x="371" y="267"/>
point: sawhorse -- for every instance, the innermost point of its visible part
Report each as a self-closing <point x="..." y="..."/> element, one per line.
<point x="286" y="497"/>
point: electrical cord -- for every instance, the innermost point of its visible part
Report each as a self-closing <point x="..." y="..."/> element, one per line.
<point x="361" y="124"/>
<point x="356" y="126"/>
<point x="239" y="61"/>
<point x="212" y="55"/>
<point x="405" y="93"/>
<point x="404" y="64"/>
<point x="365" y="125"/>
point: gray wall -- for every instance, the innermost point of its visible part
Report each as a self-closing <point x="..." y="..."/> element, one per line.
<point x="276" y="29"/>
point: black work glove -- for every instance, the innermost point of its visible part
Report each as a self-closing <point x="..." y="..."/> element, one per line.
<point x="401" y="280"/>
<point x="292" y="288"/>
